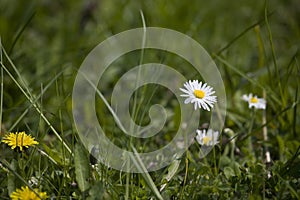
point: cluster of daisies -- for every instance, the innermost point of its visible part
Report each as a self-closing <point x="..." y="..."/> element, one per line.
<point x="197" y="93"/>
<point x="202" y="96"/>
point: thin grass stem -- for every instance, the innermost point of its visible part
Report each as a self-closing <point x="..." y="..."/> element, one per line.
<point x="32" y="101"/>
<point x="1" y="87"/>
<point x="274" y="57"/>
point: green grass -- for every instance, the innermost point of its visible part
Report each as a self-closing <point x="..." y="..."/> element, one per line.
<point x="255" y="45"/>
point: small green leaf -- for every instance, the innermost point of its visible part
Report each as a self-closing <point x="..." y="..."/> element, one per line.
<point x="171" y="172"/>
<point x="54" y="156"/>
<point x="82" y="168"/>
<point x="236" y="168"/>
<point x="228" y="172"/>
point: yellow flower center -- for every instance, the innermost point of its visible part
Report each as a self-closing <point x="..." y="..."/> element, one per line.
<point x="206" y="140"/>
<point x="253" y="100"/>
<point x="19" y="139"/>
<point x="199" y="94"/>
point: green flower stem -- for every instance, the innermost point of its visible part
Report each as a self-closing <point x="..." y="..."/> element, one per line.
<point x="215" y="162"/>
<point x="185" y="176"/>
<point x="232" y="149"/>
<point x="186" y="161"/>
<point x="249" y="137"/>
<point x="204" y="159"/>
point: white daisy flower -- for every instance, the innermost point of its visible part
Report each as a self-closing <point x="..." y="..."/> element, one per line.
<point x="209" y="138"/>
<point x="258" y="103"/>
<point x="199" y="94"/>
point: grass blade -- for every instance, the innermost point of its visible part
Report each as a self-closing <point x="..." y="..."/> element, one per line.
<point x="31" y="99"/>
<point x="141" y="167"/>
<point x="241" y="73"/>
<point x="36" y="100"/>
<point x="274" y="58"/>
<point x="7" y="165"/>
<point x="107" y="104"/>
<point x="21" y="30"/>
<point x="241" y="34"/>
<point x="1" y="86"/>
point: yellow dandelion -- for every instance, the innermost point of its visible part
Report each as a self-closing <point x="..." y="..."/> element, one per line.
<point x="26" y="194"/>
<point x="19" y="139"/>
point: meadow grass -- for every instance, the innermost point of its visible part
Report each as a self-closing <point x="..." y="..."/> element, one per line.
<point x="255" y="45"/>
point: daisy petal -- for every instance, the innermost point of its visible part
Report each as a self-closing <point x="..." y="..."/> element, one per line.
<point x="198" y="93"/>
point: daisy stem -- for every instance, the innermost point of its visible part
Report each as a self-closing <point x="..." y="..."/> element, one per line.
<point x="186" y="165"/>
<point x="232" y="150"/>
<point x="215" y="162"/>
<point x="186" y="161"/>
<point x="265" y="131"/>
<point x="249" y="139"/>
<point x="204" y="159"/>
<point x="185" y="176"/>
<point x="265" y="135"/>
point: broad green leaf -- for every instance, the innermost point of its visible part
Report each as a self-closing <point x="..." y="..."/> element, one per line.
<point x="82" y="168"/>
<point x="280" y="145"/>
<point x="96" y="192"/>
<point x="11" y="186"/>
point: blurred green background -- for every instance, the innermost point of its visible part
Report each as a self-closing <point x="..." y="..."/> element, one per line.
<point x="44" y="38"/>
<point x="48" y="40"/>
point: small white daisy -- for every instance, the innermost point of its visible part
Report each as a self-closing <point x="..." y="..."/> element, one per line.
<point x="209" y="138"/>
<point x="199" y="94"/>
<point x="258" y="103"/>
